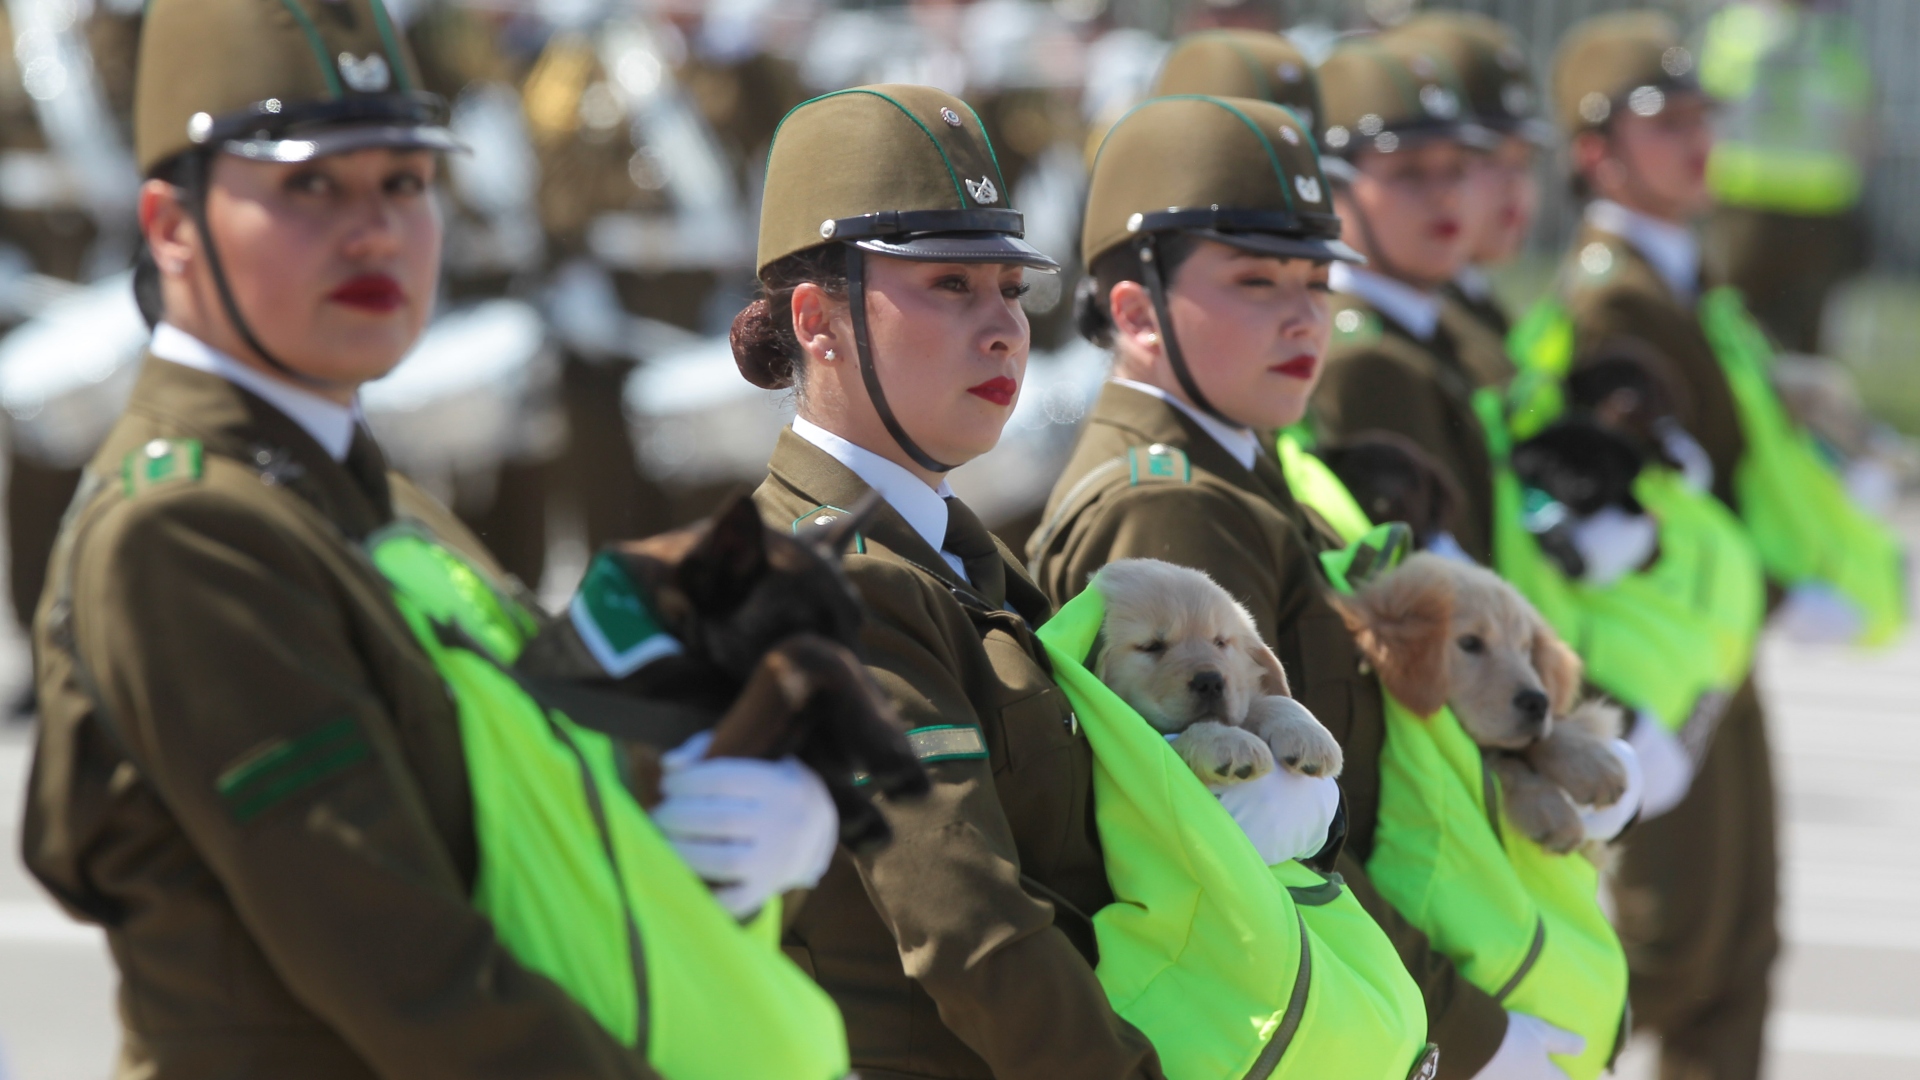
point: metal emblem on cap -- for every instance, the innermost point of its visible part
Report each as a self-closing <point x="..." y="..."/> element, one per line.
<point x="826" y="229"/>
<point x="1337" y="137"/>
<point x="1646" y="101"/>
<point x="1386" y="142"/>
<point x="1290" y="136"/>
<point x="1595" y="108"/>
<point x="1308" y="187"/>
<point x="199" y="128"/>
<point x="1676" y="61"/>
<point x="983" y="191"/>
<point x="1517" y="98"/>
<point x="1288" y="72"/>
<point x="1134" y="222"/>
<point x="368" y="75"/>
<point x="1439" y="101"/>
<point x="952" y="118"/>
<point x="1370" y="124"/>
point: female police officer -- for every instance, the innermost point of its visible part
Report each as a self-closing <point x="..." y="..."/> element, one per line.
<point x="260" y="769"/>
<point x="891" y="267"/>
<point x="1211" y="216"/>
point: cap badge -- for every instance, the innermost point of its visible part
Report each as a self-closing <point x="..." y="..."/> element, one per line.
<point x="983" y="191"/>
<point x="1595" y="108"/>
<point x="1646" y="101"/>
<point x="1338" y="137"/>
<point x="368" y="75"/>
<point x="1371" y="125"/>
<point x="1517" y="98"/>
<point x="1308" y="187"/>
<point x="199" y="128"/>
<point x="1290" y="136"/>
<point x="1439" y="101"/>
<point x="1289" y="72"/>
<point x="952" y="118"/>
<point x="1676" y="61"/>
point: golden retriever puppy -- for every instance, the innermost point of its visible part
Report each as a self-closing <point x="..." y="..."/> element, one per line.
<point x="1186" y="656"/>
<point x="1441" y="632"/>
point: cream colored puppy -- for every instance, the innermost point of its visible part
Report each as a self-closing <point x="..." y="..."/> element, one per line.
<point x="1187" y="657"/>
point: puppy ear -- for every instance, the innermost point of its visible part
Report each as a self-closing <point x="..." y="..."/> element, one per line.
<point x="723" y="564"/>
<point x="1273" y="677"/>
<point x="1559" y="667"/>
<point x="1403" y="624"/>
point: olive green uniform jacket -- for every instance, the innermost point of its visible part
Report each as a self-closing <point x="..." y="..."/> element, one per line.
<point x="963" y="949"/>
<point x="1382" y="377"/>
<point x="266" y="805"/>
<point x="1245" y="530"/>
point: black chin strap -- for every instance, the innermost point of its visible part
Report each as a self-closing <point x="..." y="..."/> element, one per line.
<point x="197" y="180"/>
<point x="857" y="305"/>
<point x="1376" y="254"/>
<point x="1156" y="288"/>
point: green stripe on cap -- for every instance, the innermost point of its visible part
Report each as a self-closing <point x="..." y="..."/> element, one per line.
<point x="319" y="46"/>
<point x="391" y="43"/>
<point x="266" y="777"/>
<point x="992" y="155"/>
<point x="952" y="173"/>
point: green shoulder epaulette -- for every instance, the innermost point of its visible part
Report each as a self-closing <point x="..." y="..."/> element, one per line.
<point x="161" y="461"/>
<point x="827" y="515"/>
<point x="1158" y="462"/>
<point x="1356" y="326"/>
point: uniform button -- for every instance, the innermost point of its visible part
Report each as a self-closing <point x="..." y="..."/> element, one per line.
<point x="1364" y="667"/>
<point x="1073" y="723"/>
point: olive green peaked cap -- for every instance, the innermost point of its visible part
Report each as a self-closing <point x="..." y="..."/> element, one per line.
<point x="1383" y="91"/>
<point x="1631" y="60"/>
<point x="1492" y="68"/>
<point x="1240" y="171"/>
<point x="1241" y="64"/>
<point x="278" y="80"/>
<point x="906" y="171"/>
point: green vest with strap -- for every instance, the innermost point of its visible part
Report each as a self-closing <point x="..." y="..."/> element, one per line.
<point x="1231" y="968"/>
<point x="1518" y="921"/>
<point x="578" y="883"/>
<point x="1807" y="527"/>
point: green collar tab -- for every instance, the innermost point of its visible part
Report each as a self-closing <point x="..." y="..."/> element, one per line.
<point x="162" y="461"/>
<point x="616" y="623"/>
<point x="826" y="515"/>
<point x="1158" y="462"/>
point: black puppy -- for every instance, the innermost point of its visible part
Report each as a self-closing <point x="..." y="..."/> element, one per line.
<point x="729" y="625"/>
<point x="1393" y="479"/>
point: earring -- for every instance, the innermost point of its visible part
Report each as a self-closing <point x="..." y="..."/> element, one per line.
<point x="831" y="355"/>
<point x="1152" y="339"/>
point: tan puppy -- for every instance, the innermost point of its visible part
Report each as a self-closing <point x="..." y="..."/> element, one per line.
<point x="1187" y="657"/>
<point x="1440" y="633"/>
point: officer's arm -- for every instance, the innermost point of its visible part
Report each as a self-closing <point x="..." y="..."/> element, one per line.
<point x="1007" y="981"/>
<point x="227" y="666"/>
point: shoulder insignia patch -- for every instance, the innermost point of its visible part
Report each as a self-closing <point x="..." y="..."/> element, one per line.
<point x="947" y="742"/>
<point x="1356" y="326"/>
<point x="161" y="461"/>
<point x="616" y="623"/>
<point x="266" y="777"/>
<point x="1158" y="462"/>
<point x="827" y="515"/>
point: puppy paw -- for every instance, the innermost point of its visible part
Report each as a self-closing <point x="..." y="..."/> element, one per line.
<point x="1580" y="765"/>
<point x="1297" y="738"/>
<point x="1220" y="754"/>
<point x="1538" y="807"/>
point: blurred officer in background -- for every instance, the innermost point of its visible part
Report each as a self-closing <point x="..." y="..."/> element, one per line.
<point x="323" y="840"/>
<point x="1787" y="171"/>
<point x="66" y="217"/>
<point x="1242" y="64"/>
<point x="1403" y="147"/>
<point x="1503" y="95"/>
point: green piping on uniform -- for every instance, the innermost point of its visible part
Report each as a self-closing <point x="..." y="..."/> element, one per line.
<point x="992" y="154"/>
<point x="262" y="779"/>
<point x="319" y="46"/>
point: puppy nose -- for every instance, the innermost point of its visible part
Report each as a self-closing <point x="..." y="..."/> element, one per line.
<point x="1531" y="704"/>
<point x="1207" y="684"/>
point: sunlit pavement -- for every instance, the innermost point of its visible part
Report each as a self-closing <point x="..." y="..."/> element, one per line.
<point x="1847" y="747"/>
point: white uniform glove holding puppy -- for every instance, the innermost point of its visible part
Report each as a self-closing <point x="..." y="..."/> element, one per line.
<point x="1664" y="761"/>
<point x="1607" y="822"/>
<point x="1286" y="815"/>
<point x="1523" y="1053"/>
<point x="753" y="828"/>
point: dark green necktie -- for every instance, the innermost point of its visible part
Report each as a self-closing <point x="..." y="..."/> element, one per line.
<point x="970" y="540"/>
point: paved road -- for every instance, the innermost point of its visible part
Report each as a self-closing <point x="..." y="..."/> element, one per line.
<point x="1847" y="739"/>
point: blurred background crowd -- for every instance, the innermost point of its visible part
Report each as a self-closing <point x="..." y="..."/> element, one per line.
<point x="577" y="386"/>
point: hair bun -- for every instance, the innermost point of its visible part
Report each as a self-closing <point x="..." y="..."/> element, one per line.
<point x="758" y="351"/>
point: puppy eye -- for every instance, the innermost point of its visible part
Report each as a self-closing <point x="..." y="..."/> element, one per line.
<point x="1219" y="643"/>
<point x="1472" y="643"/>
<point x="1152" y="647"/>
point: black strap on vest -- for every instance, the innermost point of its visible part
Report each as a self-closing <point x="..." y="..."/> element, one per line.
<point x="857" y="305"/>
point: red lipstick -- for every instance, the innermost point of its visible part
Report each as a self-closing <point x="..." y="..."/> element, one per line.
<point x="999" y="390"/>
<point x="375" y="293"/>
<point x="1445" y="230"/>
<point x="1300" y="367"/>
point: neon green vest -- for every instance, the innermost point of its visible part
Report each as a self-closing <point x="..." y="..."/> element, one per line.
<point x="579" y="884"/>
<point x="1231" y="968"/>
<point x="1802" y="519"/>
<point x="1519" y="922"/>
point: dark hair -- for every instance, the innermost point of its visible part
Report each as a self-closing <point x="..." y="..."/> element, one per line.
<point x="1092" y="309"/>
<point x="765" y="347"/>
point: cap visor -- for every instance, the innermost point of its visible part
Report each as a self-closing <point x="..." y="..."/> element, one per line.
<point x="328" y="141"/>
<point x="963" y="248"/>
<point x="1286" y="247"/>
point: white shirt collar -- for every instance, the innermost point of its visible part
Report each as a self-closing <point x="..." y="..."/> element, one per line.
<point x="330" y="423"/>
<point x="924" y="508"/>
<point x="1474" y="282"/>
<point x="1416" y="311"/>
<point x="1670" y="248"/>
<point x="1237" y="441"/>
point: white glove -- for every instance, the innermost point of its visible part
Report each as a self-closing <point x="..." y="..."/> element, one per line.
<point x="1523" y="1053"/>
<point x="1605" y="824"/>
<point x="1874" y="485"/>
<point x="1613" y="542"/>
<point x="1695" y="466"/>
<point x="753" y="828"/>
<point x="1664" y="762"/>
<point x="1816" y="614"/>
<point x="1286" y="815"/>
